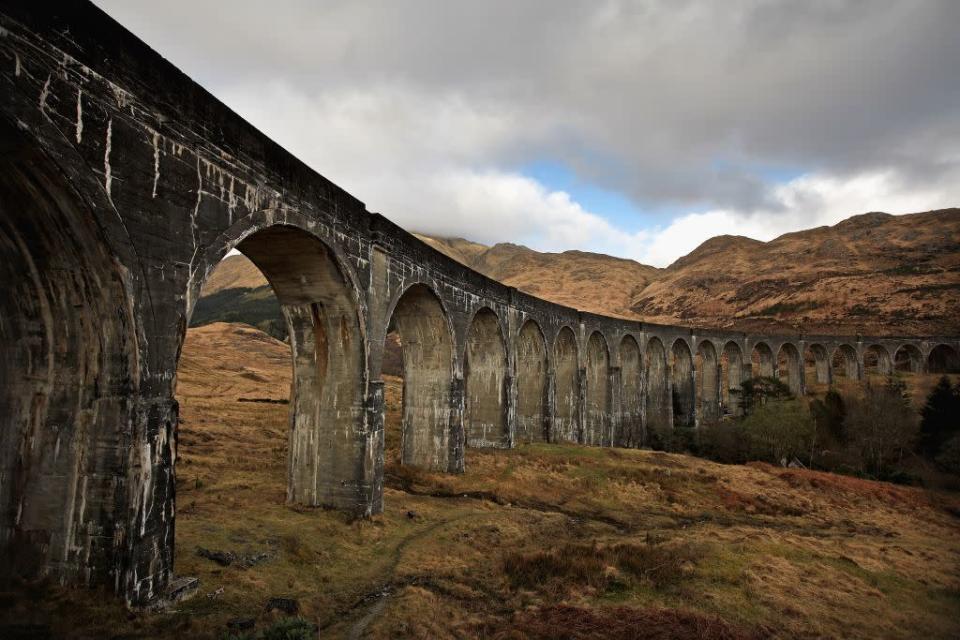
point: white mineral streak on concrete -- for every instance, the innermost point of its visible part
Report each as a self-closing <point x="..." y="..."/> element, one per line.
<point x="16" y="65"/>
<point x="44" y="94"/>
<point x="156" y="162"/>
<point x="107" y="177"/>
<point x="79" y="116"/>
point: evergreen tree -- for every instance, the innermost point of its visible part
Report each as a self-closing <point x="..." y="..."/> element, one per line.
<point x="940" y="417"/>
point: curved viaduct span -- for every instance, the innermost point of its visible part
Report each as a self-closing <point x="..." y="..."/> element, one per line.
<point x="124" y="184"/>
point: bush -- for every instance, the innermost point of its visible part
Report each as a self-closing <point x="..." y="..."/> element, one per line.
<point x="940" y="418"/>
<point x="949" y="457"/>
<point x="881" y="427"/>
<point x="778" y="431"/>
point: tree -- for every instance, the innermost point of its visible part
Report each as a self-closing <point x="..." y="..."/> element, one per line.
<point x="881" y="427"/>
<point x="778" y="431"/>
<point x="830" y="414"/>
<point x="757" y="391"/>
<point x="940" y="417"/>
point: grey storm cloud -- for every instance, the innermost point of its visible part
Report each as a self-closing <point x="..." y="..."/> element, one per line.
<point x="671" y="103"/>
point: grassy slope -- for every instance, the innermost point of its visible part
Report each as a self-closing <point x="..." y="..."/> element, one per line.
<point x="534" y="542"/>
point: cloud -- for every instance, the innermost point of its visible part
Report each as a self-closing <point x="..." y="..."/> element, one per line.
<point x="428" y="111"/>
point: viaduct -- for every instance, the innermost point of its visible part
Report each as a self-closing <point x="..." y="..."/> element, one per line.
<point x="124" y="183"/>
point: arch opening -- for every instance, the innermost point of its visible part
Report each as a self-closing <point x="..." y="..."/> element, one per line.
<point x="485" y="378"/>
<point x="790" y="368"/>
<point x="708" y="383"/>
<point x="420" y="330"/>
<point x="762" y="363"/>
<point x="631" y="424"/>
<point x="565" y="425"/>
<point x="844" y="366"/>
<point x="596" y="429"/>
<point x="877" y="361"/>
<point x="731" y="364"/>
<point x="908" y="359"/>
<point x="684" y="384"/>
<point x="943" y="359"/>
<point x="657" y="404"/>
<point x="531" y="384"/>
<point x="816" y="364"/>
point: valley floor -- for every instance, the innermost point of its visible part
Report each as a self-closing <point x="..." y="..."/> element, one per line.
<point x="543" y="541"/>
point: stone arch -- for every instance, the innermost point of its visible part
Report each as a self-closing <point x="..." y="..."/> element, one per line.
<point x="815" y="355"/>
<point x="485" y="377"/>
<point x="684" y="385"/>
<point x="566" y="359"/>
<point x="657" y="404"/>
<point x="877" y="361"/>
<point x="708" y="383"/>
<point x="790" y="367"/>
<point x="70" y="384"/>
<point x="731" y="364"/>
<point x="908" y="359"/>
<point x="531" y="383"/>
<point x="762" y="363"/>
<point x="943" y="358"/>
<point x="596" y="428"/>
<point x="844" y="364"/>
<point x="422" y="325"/>
<point x="318" y="302"/>
<point x="631" y="424"/>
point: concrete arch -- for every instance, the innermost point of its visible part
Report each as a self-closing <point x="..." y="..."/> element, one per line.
<point x="327" y="343"/>
<point x="566" y="359"/>
<point x="844" y="365"/>
<point x="683" y="384"/>
<point x="658" y="411"/>
<point x="427" y="344"/>
<point x="708" y="383"/>
<point x="485" y="380"/>
<point x="943" y="358"/>
<point x="908" y="359"/>
<point x="531" y="359"/>
<point x="596" y="428"/>
<point x="815" y="355"/>
<point x="631" y="409"/>
<point x="762" y="363"/>
<point x="69" y="381"/>
<point x="877" y="361"/>
<point x="790" y="367"/>
<point x="731" y="363"/>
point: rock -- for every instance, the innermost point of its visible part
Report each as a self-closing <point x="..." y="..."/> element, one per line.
<point x="223" y="558"/>
<point x="240" y="624"/>
<point x="411" y="514"/>
<point x="182" y="588"/>
<point x="286" y="605"/>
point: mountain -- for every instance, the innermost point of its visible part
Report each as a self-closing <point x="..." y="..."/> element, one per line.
<point x="873" y="273"/>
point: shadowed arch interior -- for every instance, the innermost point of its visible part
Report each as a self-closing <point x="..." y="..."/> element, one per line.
<point x="631" y="425"/>
<point x="68" y="376"/>
<point x="731" y="363"/>
<point x="761" y="361"/>
<point x="424" y="334"/>
<point x="943" y="359"/>
<point x="684" y="387"/>
<point x="815" y="356"/>
<point x="790" y="368"/>
<point x="326" y="409"/>
<point x="908" y="359"/>
<point x="596" y="430"/>
<point x="843" y="364"/>
<point x="877" y="361"/>
<point x="484" y="373"/>
<point x="708" y="383"/>
<point x="657" y="410"/>
<point x="565" y="358"/>
<point x="531" y="383"/>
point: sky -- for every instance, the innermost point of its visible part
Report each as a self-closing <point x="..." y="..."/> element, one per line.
<point x="636" y="129"/>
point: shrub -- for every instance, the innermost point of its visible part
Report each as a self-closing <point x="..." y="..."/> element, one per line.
<point x="881" y="427"/>
<point x="940" y="418"/>
<point x="778" y="431"/>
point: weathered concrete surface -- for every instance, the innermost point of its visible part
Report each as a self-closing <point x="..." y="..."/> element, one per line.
<point x="124" y="183"/>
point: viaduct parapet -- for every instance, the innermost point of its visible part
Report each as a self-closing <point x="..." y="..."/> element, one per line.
<point x="123" y="185"/>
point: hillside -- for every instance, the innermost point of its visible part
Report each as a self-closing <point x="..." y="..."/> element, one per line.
<point x="874" y="273"/>
<point x="543" y="541"/>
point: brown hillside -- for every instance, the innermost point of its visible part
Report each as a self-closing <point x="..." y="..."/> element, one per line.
<point x="873" y="273"/>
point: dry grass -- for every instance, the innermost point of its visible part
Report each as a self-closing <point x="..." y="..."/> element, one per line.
<point x="543" y="541"/>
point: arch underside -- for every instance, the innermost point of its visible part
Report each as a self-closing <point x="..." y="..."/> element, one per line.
<point x="597" y="423"/>
<point x="565" y="424"/>
<point x="485" y="379"/>
<point x="683" y="385"/>
<point x="657" y="412"/>
<point x="732" y="367"/>
<point x="531" y="384"/>
<point x="631" y="409"/>
<point x="708" y="384"/>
